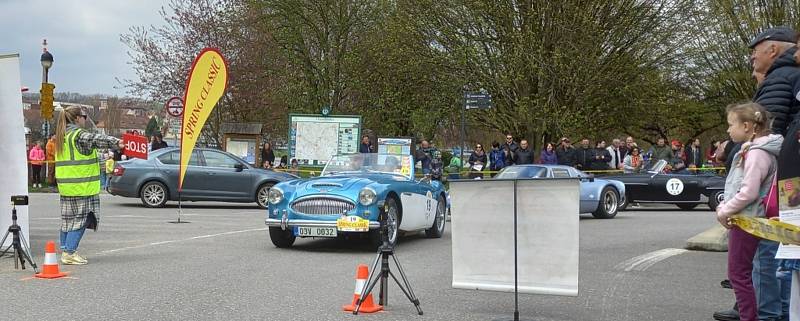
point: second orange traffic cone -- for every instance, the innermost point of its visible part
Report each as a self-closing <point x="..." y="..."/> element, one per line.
<point x="367" y="306"/>
<point x="50" y="266"/>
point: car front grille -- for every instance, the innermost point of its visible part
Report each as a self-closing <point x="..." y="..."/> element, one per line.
<point x="322" y="206"/>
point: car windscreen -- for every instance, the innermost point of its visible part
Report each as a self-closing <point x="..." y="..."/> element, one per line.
<point x="523" y="172"/>
<point x="384" y="163"/>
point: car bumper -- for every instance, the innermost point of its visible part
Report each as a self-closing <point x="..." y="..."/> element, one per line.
<point x="287" y="223"/>
<point x="123" y="190"/>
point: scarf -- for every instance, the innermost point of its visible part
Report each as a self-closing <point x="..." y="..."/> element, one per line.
<point x="635" y="160"/>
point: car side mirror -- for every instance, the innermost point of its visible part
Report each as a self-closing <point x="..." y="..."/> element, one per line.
<point x="239" y="167"/>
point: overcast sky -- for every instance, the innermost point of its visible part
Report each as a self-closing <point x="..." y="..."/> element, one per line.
<point x="82" y="35"/>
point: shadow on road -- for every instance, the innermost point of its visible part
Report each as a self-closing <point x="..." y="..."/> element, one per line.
<point x="194" y="205"/>
<point x="352" y="244"/>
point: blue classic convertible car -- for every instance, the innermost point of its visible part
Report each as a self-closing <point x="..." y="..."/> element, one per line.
<point x="601" y="197"/>
<point x="352" y="196"/>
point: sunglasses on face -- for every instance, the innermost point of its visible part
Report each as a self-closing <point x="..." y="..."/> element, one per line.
<point x="478" y="147"/>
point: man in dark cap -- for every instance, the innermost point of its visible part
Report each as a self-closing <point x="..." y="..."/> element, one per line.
<point x="773" y="56"/>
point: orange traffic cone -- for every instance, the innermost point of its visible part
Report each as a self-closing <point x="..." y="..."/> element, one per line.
<point x="367" y="306"/>
<point x="50" y="266"/>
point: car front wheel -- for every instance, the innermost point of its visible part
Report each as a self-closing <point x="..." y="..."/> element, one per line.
<point x="391" y="217"/>
<point x="262" y="194"/>
<point x="716" y="199"/>
<point x="437" y="230"/>
<point x="153" y="194"/>
<point x="281" y="238"/>
<point x="608" y="205"/>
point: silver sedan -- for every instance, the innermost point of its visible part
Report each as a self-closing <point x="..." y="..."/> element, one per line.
<point x="212" y="175"/>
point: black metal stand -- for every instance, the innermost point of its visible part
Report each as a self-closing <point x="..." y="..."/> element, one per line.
<point x="384" y="252"/>
<point x="516" y="265"/>
<point x="179" y="210"/>
<point x="22" y="252"/>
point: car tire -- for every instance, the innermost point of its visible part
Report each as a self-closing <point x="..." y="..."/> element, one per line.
<point x="281" y="238"/>
<point x="437" y="229"/>
<point x="608" y="204"/>
<point x="154" y="194"/>
<point x="687" y="206"/>
<point x="262" y="194"/>
<point x="715" y="199"/>
<point x="394" y="217"/>
<point x="625" y="203"/>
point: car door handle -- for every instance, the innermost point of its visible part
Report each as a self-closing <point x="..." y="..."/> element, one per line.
<point x="211" y="173"/>
<point x="407" y="194"/>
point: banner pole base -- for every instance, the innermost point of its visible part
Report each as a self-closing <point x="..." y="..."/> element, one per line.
<point x="179" y="211"/>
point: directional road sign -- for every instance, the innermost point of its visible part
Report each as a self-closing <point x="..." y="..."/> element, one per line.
<point x="477" y="100"/>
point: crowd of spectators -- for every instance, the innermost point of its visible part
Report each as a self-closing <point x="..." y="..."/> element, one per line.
<point x="622" y="155"/>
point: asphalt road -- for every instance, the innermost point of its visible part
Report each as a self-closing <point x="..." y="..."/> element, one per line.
<point x="222" y="266"/>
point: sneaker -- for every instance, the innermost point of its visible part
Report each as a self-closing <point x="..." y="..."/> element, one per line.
<point x="69" y="259"/>
<point x="727" y="315"/>
<point x="78" y="258"/>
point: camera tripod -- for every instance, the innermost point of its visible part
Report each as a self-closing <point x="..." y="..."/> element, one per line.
<point x="22" y="251"/>
<point x="385" y="251"/>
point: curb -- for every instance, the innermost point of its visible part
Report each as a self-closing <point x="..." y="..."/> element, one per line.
<point x="714" y="239"/>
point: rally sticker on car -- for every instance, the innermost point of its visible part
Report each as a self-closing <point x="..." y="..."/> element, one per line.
<point x="351" y="223"/>
<point x="428" y="204"/>
<point x="674" y="186"/>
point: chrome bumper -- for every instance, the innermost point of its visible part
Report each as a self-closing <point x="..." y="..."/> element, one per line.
<point x="286" y="223"/>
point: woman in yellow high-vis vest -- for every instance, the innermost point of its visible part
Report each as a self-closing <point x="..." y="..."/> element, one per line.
<point x="78" y="176"/>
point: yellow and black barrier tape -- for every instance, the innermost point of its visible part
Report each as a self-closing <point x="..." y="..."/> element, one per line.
<point x="768" y="229"/>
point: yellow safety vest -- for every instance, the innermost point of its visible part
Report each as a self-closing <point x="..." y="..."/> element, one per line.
<point x="77" y="174"/>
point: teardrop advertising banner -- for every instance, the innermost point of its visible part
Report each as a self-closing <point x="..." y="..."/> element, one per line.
<point x="204" y="87"/>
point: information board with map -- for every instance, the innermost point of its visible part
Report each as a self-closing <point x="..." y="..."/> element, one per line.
<point x="314" y="139"/>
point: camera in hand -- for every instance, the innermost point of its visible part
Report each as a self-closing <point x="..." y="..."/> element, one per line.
<point x="19" y="199"/>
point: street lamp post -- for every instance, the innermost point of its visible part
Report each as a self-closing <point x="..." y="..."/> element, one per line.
<point x="47" y="62"/>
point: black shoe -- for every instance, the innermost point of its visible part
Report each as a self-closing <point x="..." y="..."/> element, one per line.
<point x="726" y="284"/>
<point x="727" y="315"/>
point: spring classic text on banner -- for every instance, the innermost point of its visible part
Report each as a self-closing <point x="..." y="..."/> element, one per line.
<point x="205" y="85"/>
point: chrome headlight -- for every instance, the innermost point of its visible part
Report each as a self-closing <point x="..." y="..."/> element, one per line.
<point x="366" y="196"/>
<point x="275" y="195"/>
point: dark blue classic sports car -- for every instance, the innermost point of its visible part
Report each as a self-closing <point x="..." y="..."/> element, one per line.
<point x="352" y="196"/>
<point x="687" y="191"/>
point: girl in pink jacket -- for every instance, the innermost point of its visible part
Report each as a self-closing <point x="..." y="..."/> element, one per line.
<point x="748" y="182"/>
<point x="36" y="156"/>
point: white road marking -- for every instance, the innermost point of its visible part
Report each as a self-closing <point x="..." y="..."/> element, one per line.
<point x="644" y="261"/>
<point x="179" y="240"/>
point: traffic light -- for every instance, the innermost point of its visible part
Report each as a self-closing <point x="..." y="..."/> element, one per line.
<point x="46" y="100"/>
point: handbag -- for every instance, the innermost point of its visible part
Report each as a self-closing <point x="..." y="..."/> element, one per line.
<point x="92" y="222"/>
<point x="771" y="208"/>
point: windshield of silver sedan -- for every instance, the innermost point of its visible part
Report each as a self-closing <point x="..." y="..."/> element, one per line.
<point x="390" y="164"/>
